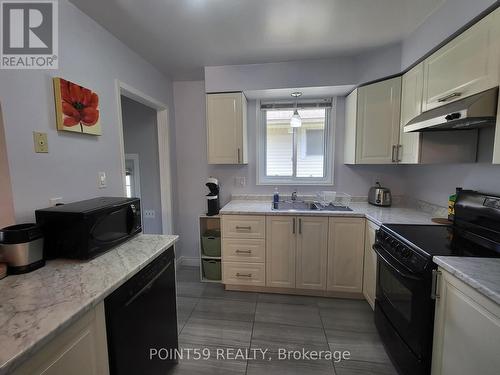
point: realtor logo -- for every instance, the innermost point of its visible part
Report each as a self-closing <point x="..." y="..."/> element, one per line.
<point x="29" y="34"/>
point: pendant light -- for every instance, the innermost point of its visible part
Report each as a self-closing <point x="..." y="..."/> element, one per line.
<point x="296" y="120"/>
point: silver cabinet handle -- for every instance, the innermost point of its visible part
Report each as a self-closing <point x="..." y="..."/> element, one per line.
<point x="398" y="153"/>
<point x="243" y="274"/>
<point x="243" y="228"/>
<point x="300" y="226"/>
<point x="434" y="285"/>
<point x="243" y="251"/>
<point x="239" y="156"/>
<point x="450" y="96"/>
<point x="293" y="226"/>
<point x="393" y="158"/>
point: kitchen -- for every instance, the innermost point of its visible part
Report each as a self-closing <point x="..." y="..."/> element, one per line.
<point x="301" y="275"/>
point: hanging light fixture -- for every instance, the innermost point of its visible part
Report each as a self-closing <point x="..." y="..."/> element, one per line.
<point x="296" y="120"/>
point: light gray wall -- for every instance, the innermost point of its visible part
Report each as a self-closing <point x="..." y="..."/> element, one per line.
<point x="193" y="169"/>
<point x="440" y="25"/>
<point x="309" y="73"/>
<point x="91" y="56"/>
<point x="140" y="134"/>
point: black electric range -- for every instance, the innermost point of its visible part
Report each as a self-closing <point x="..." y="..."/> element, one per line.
<point x="406" y="274"/>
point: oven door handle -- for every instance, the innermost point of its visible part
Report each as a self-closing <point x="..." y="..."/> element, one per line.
<point x="378" y="249"/>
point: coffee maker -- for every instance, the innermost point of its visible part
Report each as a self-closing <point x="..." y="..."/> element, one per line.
<point x="213" y="197"/>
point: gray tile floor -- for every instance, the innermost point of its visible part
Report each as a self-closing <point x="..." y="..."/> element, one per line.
<point x="210" y="317"/>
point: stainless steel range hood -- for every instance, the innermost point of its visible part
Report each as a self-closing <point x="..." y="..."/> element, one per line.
<point x="469" y="113"/>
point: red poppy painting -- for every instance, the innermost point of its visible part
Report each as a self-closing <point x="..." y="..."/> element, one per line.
<point x="77" y="108"/>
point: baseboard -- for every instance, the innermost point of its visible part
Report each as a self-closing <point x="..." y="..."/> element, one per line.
<point x="187" y="261"/>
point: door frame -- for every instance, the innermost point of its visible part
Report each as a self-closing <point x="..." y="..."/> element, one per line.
<point x="162" y="122"/>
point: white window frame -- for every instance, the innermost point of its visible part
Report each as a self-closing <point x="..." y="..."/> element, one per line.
<point x="328" y="179"/>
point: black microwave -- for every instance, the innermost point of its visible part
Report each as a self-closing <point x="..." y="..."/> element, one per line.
<point x="83" y="230"/>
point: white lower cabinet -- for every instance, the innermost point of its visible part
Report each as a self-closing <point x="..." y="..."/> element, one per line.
<point x="466" y="330"/>
<point x="281" y="246"/>
<point x="346" y="242"/>
<point x="370" y="264"/>
<point x="81" y="349"/>
<point x="312" y="250"/>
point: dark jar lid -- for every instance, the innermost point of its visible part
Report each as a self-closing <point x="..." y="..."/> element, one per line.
<point x="20" y="233"/>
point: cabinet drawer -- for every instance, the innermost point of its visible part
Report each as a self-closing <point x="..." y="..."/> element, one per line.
<point x="244" y="250"/>
<point x="244" y="273"/>
<point x="243" y="226"/>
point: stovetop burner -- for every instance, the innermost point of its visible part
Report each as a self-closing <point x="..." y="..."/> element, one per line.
<point x="441" y="240"/>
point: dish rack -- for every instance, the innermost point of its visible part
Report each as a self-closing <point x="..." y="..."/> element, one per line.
<point x="334" y="198"/>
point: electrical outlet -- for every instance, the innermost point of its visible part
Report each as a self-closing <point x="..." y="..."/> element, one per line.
<point x="149" y="214"/>
<point x="41" y="142"/>
<point x="240" y="181"/>
<point x="101" y="180"/>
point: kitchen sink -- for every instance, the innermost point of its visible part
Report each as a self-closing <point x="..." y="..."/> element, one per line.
<point x="308" y="206"/>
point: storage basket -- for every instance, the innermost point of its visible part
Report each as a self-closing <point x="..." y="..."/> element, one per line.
<point x="210" y="242"/>
<point x="212" y="269"/>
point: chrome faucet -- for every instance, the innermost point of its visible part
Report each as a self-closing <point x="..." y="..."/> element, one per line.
<point x="294" y="196"/>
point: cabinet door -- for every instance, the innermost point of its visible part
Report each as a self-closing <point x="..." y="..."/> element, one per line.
<point x="312" y="249"/>
<point x="466" y="331"/>
<point x="280" y="251"/>
<point x="377" y="131"/>
<point x="80" y="349"/>
<point x="346" y="241"/>
<point x="463" y="67"/>
<point x="351" y="115"/>
<point x="411" y="106"/>
<point x="370" y="264"/>
<point x="225" y="128"/>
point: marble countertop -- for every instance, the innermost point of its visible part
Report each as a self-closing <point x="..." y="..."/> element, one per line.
<point x="37" y="306"/>
<point x="481" y="274"/>
<point x="378" y="215"/>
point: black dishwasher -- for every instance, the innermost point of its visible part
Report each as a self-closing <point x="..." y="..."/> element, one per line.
<point x="141" y="317"/>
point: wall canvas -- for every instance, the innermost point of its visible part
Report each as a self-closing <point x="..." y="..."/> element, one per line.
<point x="77" y="108"/>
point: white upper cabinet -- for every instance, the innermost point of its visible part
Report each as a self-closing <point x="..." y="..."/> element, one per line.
<point x="411" y="106"/>
<point x="227" y="128"/>
<point x="465" y="66"/>
<point x="372" y="123"/>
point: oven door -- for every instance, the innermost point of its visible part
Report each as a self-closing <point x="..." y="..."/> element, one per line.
<point x="404" y="298"/>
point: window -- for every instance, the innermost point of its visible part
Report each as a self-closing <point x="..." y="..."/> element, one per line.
<point x="289" y="155"/>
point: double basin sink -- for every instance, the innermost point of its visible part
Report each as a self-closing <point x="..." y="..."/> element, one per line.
<point x="307" y="206"/>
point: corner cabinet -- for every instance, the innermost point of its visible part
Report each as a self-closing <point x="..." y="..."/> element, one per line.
<point x="227" y="128"/>
<point x="466" y="330"/>
<point x="346" y="243"/>
<point x="465" y="66"/>
<point x="373" y="123"/>
<point x="411" y="106"/>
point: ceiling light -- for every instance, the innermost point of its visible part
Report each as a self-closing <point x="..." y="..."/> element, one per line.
<point x="296" y="120"/>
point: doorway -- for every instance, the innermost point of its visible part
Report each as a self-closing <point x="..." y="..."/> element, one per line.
<point x="145" y="157"/>
<point x="6" y="199"/>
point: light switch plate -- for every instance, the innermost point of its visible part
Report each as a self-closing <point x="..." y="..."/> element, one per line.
<point x="41" y="142"/>
<point x="101" y="180"/>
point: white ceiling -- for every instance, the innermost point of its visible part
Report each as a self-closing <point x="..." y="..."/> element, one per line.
<point x="181" y="36"/>
<point x="307" y="92"/>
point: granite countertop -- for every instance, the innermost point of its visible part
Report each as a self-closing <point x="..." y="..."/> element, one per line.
<point x="37" y="306"/>
<point x="378" y="215"/>
<point x="481" y="274"/>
